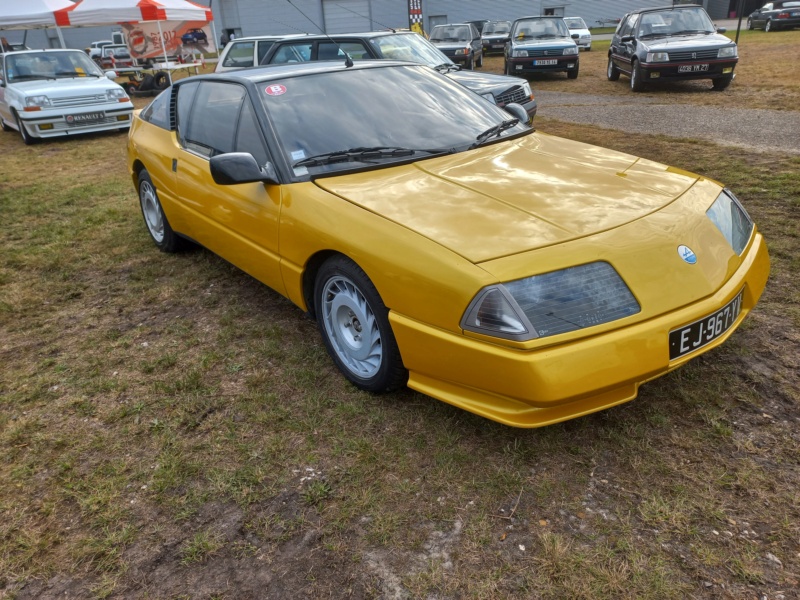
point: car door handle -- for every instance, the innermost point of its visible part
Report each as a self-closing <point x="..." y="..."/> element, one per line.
<point x="174" y="165"/>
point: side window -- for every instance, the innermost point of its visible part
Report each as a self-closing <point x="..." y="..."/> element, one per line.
<point x="331" y="51"/>
<point x="157" y="112"/>
<point x="240" y="55"/>
<point x="186" y="94"/>
<point x="212" y="122"/>
<point x="290" y="53"/>
<point x="263" y="47"/>
<point x="248" y="134"/>
<point x="624" y="27"/>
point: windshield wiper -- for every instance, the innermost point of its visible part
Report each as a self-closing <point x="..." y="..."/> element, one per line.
<point x="493" y="131"/>
<point x="363" y="154"/>
<point x="75" y="74"/>
<point x="447" y="67"/>
<point x="690" y="31"/>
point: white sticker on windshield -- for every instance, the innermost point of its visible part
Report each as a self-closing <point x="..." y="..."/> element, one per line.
<point x="300" y="171"/>
<point x="298" y="155"/>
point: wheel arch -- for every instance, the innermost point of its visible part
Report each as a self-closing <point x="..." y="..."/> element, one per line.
<point x="310" y="271"/>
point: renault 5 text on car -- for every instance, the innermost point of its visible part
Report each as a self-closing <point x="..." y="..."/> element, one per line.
<point x="439" y="243"/>
<point x="410" y="46"/>
<point x="541" y="45"/>
<point x="673" y="43"/>
<point x="47" y="93"/>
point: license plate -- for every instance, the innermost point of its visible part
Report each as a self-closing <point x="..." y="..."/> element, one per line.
<point x="546" y="61"/>
<point x="692" y="68"/>
<point x="704" y="331"/>
<point x="796" y="14"/>
<point x="497" y="45"/>
<point x="85" y="117"/>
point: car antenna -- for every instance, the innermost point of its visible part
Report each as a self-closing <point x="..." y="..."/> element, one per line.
<point x="348" y="62"/>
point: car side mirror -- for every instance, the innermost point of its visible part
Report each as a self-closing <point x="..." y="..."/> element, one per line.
<point x="575" y="36"/>
<point x="240" y="167"/>
<point x="627" y="38"/>
<point x="111" y="75"/>
<point x="518" y="111"/>
<point x="722" y="29"/>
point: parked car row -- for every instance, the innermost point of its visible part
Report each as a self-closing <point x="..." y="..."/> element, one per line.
<point x="408" y="46"/>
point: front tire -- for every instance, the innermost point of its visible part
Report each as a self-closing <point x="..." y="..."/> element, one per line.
<point x="612" y="72"/>
<point x="750" y="25"/>
<point x="720" y="83"/>
<point x="154" y="218"/>
<point x="636" y="77"/>
<point x="480" y="60"/>
<point x="470" y="64"/>
<point x="574" y="73"/>
<point x="5" y="126"/>
<point x="26" y="137"/>
<point x="354" y="323"/>
<point x="768" y="27"/>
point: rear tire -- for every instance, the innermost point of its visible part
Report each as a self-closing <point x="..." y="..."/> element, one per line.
<point x="612" y="72"/>
<point x="154" y="218"/>
<point x="750" y="25"/>
<point x="480" y="61"/>
<point x="636" y="77"/>
<point x="470" y="64"/>
<point x="768" y="26"/>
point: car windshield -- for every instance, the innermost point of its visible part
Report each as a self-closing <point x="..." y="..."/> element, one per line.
<point x="116" y="51"/>
<point x="30" y="66"/>
<point x="411" y="47"/>
<point x="383" y="114"/>
<point x="497" y="28"/>
<point x="540" y="29"/>
<point x="675" y="22"/>
<point x="451" y="33"/>
<point x="575" y="23"/>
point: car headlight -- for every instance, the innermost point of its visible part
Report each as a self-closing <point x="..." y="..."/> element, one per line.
<point x="551" y="303"/>
<point x="40" y="101"/>
<point x="462" y="51"/>
<point x="732" y="220"/>
<point x="568" y="51"/>
<point x="520" y="53"/>
<point x="727" y="52"/>
<point x="116" y="94"/>
<point x="526" y="87"/>
<point x="657" y="57"/>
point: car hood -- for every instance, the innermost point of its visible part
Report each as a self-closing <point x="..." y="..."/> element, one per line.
<point x="485" y="82"/>
<point x="65" y="87"/>
<point x="451" y="45"/>
<point x="546" y="43"/>
<point x="496" y="37"/>
<point x="686" y="42"/>
<point x="515" y="196"/>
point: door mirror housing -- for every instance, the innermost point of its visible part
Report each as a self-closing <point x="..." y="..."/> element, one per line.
<point x="240" y="167"/>
<point x="518" y="111"/>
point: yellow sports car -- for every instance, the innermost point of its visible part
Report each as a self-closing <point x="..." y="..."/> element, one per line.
<point x="440" y="243"/>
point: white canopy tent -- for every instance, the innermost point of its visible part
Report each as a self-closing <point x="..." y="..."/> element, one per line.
<point x="113" y="12"/>
<point x="33" y="14"/>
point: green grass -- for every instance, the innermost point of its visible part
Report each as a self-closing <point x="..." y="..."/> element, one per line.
<point x="171" y="428"/>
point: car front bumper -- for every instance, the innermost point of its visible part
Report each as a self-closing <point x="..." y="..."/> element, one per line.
<point x="691" y="70"/>
<point x="529" y="65"/>
<point x="532" y="388"/>
<point x="49" y="123"/>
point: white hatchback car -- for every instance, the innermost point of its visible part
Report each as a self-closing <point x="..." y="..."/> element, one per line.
<point x="47" y="93"/>
<point x="578" y="26"/>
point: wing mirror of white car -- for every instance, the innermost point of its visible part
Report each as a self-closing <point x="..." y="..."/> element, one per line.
<point x="111" y="74"/>
<point x="518" y="111"/>
<point x="240" y="167"/>
<point x="722" y="29"/>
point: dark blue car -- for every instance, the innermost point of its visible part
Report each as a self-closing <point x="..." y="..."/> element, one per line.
<point x="541" y="45"/>
<point x="194" y="36"/>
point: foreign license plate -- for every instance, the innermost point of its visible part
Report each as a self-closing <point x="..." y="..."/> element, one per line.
<point x="497" y="45"/>
<point x="85" y="118"/>
<point x="692" y="68"/>
<point x="796" y="13"/>
<point x="545" y="61"/>
<point x="704" y="331"/>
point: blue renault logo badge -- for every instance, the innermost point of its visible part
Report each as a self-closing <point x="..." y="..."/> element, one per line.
<point x="687" y="255"/>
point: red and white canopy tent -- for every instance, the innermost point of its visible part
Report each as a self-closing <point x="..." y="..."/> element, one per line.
<point x="112" y="12"/>
<point x="33" y="14"/>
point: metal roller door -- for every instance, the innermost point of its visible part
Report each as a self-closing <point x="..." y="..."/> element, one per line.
<point x="346" y="16"/>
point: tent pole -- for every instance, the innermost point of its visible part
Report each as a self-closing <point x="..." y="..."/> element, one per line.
<point x="60" y="37"/>
<point x="214" y="29"/>
<point x="164" y="48"/>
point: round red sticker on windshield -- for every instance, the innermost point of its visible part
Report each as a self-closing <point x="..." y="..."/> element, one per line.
<point x="276" y="90"/>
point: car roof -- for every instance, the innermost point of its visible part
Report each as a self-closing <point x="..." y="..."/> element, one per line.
<point x="660" y="8"/>
<point x="271" y="72"/>
<point x="538" y="17"/>
<point x="48" y="50"/>
<point x="321" y="36"/>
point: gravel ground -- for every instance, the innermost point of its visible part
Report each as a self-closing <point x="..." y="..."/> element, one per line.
<point x="763" y="130"/>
